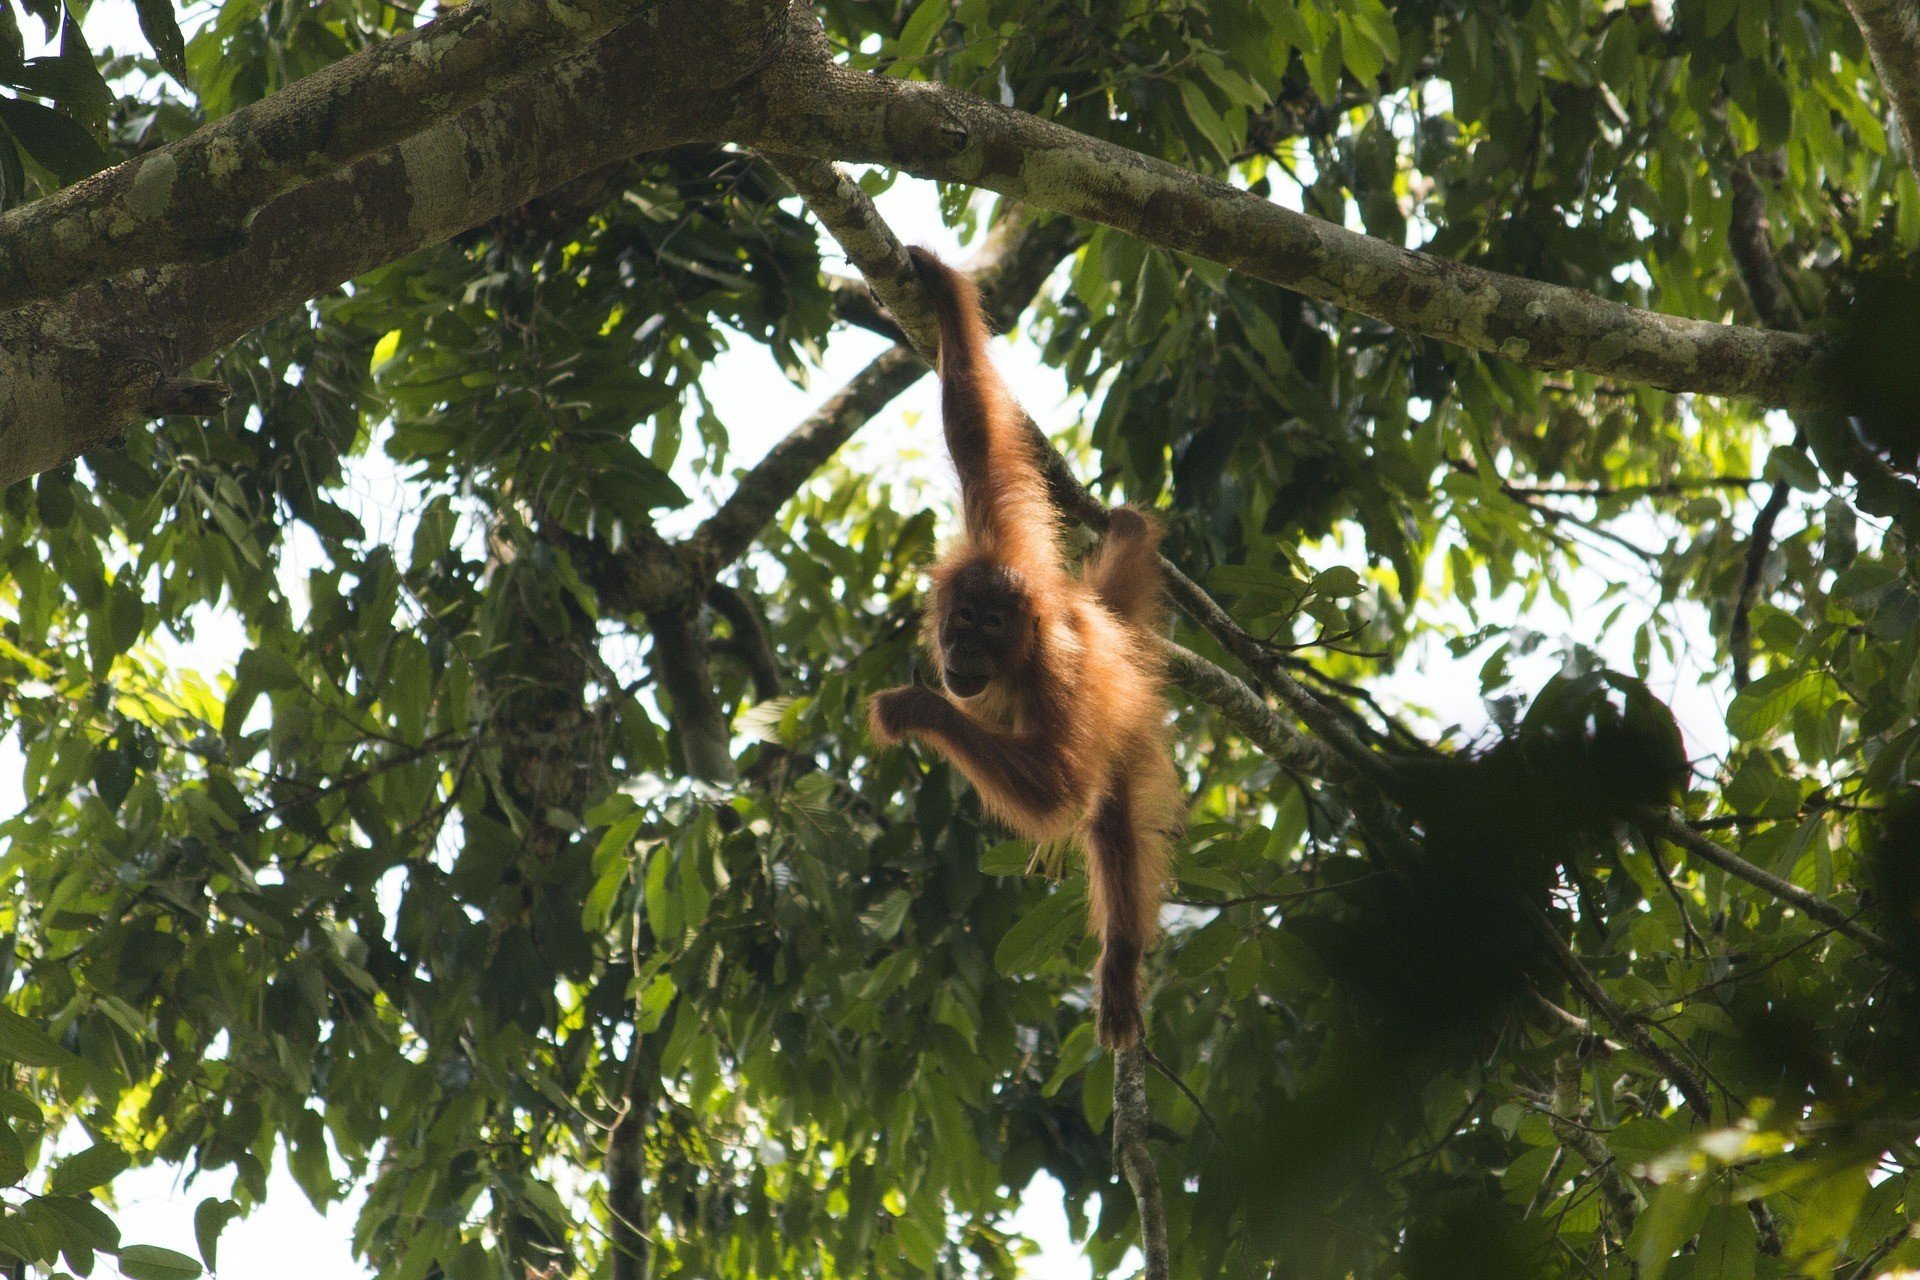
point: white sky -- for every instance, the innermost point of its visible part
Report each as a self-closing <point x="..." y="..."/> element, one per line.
<point x="288" y="1239"/>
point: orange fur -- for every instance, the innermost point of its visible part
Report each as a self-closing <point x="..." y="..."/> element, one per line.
<point x="1068" y="739"/>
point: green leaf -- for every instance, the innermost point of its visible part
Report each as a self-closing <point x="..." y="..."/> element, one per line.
<point x="1207" y="121"/>
<point x="162" y="31"/>
<point x="654" y="1002"/>
<point x="468" y="1262"/>
<point x="1323" y="69"/>
<point x="1008" y="858"/>
<point x="13" y="174"/>
<point x="1243" y="971"/>
<point x="126" y="616"/>
<point x="1793" y="466"/>
<point x="269" y="669"/>
<point x="78" y="1226"/>
<point x="1201" y="952"/>
<point x="151" y="1262"/>
<point x="23" y="1042"/>
<point x="55" y="142"/>
<point x="886" y="917"/>
<point x="308" y="1161"/>
<point x="1762" y="705"/>
<point x="1040" y="934"/>
<point x="13" y="49"/>
<point x="916" y="37"/>
<point x="83" y="1171"/>
<point x="1338" y="582"/>
<point x="13" y="1159"/>
<point x="1666" y="1225"/>
<point x="1728" y="1244"/>
<point x="661" y="916"/>
<point x="1361" y="54"/>
<point x="384" y="350"/>
<point x="210" y="1218"/>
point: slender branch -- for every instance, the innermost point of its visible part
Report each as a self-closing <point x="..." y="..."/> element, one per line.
<point x="1354" y="756"/>
<point x="1573" y="1021"/>
<point x="725" y="535"/>
<point x="1691" y="934"/>
<point x="939" y="132"/>
<point x="1131" y="1120"/>
<point x="1752" y="567"/>
<point x="1628" y="1027"/>
<point x="849" y="214"/>
<point x="1672" y="828"/>
<point x="1750" y="241"/>
<point x="1247" y="712"/>
<point x="1654" y="489"/>
<point x="1878" y="1254"/>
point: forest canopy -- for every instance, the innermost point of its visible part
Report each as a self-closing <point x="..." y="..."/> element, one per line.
<point x="1529" y="393"/>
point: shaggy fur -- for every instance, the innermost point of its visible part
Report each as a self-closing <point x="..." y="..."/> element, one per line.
<point x="1053" y="706"/>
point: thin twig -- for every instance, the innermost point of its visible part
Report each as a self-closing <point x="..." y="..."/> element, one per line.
<point x="1173" y="1078"/>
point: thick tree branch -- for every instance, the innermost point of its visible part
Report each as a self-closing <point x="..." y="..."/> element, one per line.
<point x="681" y="663"/>
<point x="196" y="198"/>
<point x="1891" y="29"/>
<point x="1750" y="241"/>
<point x="78" y="371"/>
<point x="938" y="132"/>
